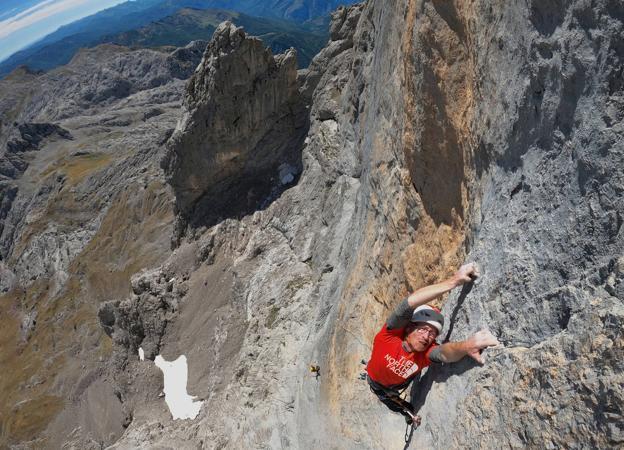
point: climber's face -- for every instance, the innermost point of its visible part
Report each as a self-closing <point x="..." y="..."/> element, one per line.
<point x="419" y="336"/>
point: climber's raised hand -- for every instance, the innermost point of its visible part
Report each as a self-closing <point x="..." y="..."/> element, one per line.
<point x="466" y="274"/>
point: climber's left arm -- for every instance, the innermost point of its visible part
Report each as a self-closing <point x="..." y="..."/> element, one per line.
<point x="454" y="351"/>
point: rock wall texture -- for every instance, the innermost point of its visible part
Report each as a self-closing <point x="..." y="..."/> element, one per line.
<point x="437" y="132"/>
<point x="243" y="118"/>
<point x="540" y="104"/>
<point x="440" y="132"/>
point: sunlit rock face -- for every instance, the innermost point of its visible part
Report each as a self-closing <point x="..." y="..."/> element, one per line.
<point x="442" y="132"/>
<point x="528" y="98"/>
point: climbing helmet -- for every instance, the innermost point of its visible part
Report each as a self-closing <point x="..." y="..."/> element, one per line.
<point x="429" y="314"/>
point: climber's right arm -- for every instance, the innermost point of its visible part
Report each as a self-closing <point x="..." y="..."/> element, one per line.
<point x="401" y="316"/>
<point x="465" y="274"/>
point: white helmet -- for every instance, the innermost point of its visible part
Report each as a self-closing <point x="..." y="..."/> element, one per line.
<point x="429" y="314"/>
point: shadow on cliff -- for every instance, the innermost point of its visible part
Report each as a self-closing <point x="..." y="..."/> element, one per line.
<point x="238" y="145"/>
<point x="251" y="193"/>
<point x="258" y="184"/>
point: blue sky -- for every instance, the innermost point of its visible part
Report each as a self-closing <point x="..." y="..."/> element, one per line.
<point x="23" y="22"/>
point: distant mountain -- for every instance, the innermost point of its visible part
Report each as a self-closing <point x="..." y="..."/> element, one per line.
<point x="191" y="24"/>
<point x="131" y="15"/>
<point x="296" y="10"/>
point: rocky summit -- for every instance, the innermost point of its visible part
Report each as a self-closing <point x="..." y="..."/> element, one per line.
<point x="242" y="119"/>
<point x="215" y="203"/>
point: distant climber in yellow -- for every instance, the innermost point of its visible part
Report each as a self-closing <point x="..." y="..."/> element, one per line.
<point x="407" y="343"/>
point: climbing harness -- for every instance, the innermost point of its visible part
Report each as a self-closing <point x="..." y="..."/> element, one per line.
<point x="394" y="395"/>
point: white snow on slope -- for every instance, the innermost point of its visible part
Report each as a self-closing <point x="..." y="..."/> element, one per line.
<point x="181" y="405"/>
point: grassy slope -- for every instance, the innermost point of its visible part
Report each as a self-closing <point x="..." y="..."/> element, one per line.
<point x="124" y="244"/>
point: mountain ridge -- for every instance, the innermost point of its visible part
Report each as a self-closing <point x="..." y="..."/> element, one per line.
<point x="190" y="24"/>
<point x="130" y="15"/>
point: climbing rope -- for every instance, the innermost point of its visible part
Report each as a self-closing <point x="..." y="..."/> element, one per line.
<point x="409" y="432"/>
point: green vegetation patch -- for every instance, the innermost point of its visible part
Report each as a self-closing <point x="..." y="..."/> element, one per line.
<point x="297" y="283"/>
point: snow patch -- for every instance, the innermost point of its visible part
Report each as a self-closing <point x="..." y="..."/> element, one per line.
<point x="287" y="173"/>
<point x="181" y="405"/>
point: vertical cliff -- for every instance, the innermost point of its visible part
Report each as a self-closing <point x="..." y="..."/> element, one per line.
<point x="439" y="132"/>
<point x="243" y="118"/>
<point x="539" y="97"/>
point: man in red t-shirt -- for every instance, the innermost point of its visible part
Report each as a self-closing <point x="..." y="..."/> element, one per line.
<point x="406" y="343"/>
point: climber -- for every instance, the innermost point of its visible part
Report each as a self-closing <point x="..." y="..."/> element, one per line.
<point x="406" y="344"/>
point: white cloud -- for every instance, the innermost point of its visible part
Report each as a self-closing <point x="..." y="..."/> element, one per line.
<point x="30" y="10"/>
<point x="35" y="14"/>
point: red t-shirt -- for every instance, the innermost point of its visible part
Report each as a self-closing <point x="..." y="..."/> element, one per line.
<point x="390" y="364"/>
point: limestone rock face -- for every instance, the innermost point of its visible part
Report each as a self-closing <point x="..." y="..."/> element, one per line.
<point x="22" y="140"/>
<point x="141" y="320"/>
<point x="439" y="132"/>
<point x="94" y="79"/>
<point x="243" y="118"/>
<point x="522" y="99"/>
<point x="31" y="135"/>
